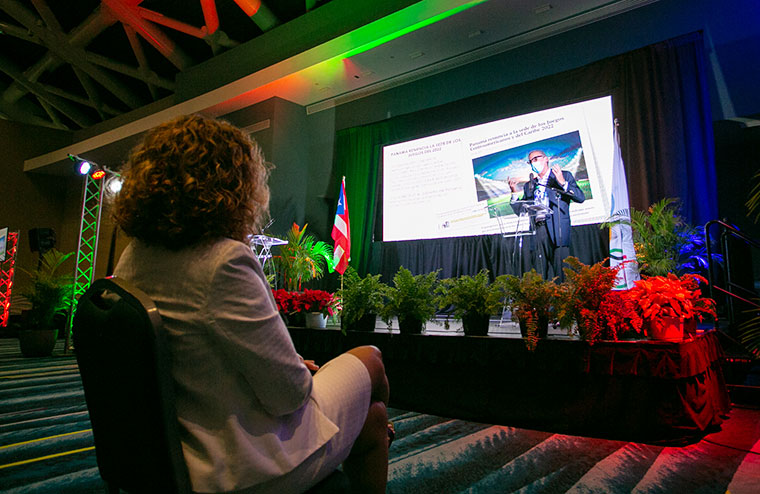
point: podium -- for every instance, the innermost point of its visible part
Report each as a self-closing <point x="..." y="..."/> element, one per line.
<point x="527" y="211"/>
<point x="261" y="245"/>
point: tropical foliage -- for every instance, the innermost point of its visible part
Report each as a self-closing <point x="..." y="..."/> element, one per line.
<point x="302" y="259"/>
<point x="753" y="203"/>
<point x="749" y="334"/>
<point x="49" y="292"/>
<point x="665" y="242"/>
<point x="657" y="237"/>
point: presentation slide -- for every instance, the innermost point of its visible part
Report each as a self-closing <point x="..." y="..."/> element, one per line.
<point x="455" y="184"/>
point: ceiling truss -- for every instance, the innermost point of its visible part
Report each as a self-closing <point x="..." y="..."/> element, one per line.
<point x="76" y="80"/>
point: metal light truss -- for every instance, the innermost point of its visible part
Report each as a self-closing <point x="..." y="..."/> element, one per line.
<point x="92" y="202"/>
<point x="6" y="277"/>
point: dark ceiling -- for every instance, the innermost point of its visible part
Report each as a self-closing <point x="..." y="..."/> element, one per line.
<point x="72" y="64"/>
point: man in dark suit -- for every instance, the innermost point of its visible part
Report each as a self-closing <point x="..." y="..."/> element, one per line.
<point x="554" y="188"/>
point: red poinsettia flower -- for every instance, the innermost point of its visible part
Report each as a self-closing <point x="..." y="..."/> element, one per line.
<point x="315" y="301"/>
<point x="284" y="300"/>
<point x="672" y="296"/>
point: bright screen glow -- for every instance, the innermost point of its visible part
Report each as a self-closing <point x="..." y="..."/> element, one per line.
<point x="455" y="184"/>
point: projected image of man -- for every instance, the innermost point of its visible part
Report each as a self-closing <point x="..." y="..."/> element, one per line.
<point x="556" y="189"/>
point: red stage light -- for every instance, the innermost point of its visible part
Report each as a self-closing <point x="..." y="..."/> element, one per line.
<point x="98" y="174"/>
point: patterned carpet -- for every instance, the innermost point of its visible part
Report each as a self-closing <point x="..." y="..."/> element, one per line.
<point x="46" y="447"/>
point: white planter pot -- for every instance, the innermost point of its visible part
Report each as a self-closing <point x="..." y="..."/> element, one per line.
<point x="315" y="320"/>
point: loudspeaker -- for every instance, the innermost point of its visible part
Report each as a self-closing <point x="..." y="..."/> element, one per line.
<point x="41" y="239"/>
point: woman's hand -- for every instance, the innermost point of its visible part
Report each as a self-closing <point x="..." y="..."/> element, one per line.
<point x="310" y="364"/>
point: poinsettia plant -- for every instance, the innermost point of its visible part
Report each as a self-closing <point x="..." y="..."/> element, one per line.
<point x="285" y="300"/>
<point x="672" y="296"/>
<point x="315" y="301"/>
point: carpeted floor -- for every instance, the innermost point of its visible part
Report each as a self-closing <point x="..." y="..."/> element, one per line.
<point x="46" y="447"/>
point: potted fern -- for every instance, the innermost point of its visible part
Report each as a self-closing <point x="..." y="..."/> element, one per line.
<point x="363" y="300"/>
<point x="474" y="299"/>
<point x="49" y="295"/>
<point x="582" y="295"/>
<point x="531" y="299"/>
<point x="411" y="299"/>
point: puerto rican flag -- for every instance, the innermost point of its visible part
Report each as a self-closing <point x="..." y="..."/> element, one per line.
<point x="341" y="232"/>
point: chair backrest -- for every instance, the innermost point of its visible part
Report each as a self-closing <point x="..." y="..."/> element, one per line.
<point x="125" y="370"/>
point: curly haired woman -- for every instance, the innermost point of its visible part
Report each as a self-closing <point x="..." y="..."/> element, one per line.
<point x="252" y="416"/>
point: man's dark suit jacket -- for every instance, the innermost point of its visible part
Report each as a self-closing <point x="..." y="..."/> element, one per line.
<point x="558" y="223"/>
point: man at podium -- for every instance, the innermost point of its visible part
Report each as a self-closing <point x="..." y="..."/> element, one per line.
<point x="555" y="189"/>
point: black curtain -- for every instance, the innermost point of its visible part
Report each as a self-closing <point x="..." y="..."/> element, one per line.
<point x="660" y="96"/>
<point x="468" y="255"/>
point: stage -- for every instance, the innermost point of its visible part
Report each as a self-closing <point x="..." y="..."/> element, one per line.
<point x="645" y="391"/>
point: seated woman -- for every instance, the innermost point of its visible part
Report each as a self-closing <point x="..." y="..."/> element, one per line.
<point x="252" y="416"/>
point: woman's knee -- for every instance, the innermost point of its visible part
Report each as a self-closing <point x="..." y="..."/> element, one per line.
<point x="372" y="359"/>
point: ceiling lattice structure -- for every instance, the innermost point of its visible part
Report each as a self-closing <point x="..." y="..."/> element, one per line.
<point x="73" y="64"/>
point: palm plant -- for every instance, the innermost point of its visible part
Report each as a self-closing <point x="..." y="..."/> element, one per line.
<point x="665" y="242"/>
<point x="303" y="258"/>
<point x="49" y="292"/>
<point x="656" y="237"/>
<point x="753" y="203"/>
<point x="749" y="331"/>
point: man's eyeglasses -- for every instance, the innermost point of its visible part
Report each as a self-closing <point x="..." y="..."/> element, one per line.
<point x="536" y="158"/>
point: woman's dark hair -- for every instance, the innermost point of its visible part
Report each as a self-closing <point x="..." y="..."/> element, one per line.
<point x="193" y="179"/>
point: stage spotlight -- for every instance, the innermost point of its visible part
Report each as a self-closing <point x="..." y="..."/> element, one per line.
<point x="114" y="184"/>
<point x="98" y="174"/>
<point x="83" y="166"/>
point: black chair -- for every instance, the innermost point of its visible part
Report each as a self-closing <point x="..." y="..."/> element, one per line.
<point x="124" y="364"/>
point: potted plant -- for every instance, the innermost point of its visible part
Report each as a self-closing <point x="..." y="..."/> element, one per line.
<point x="531" y="299"/>
<point x="285" y="302"/>
<point x="618" y="317"/>
<point x="316" y="305"/>
<point x="474" y="299"/>
<point x="670" y="306"/>
<point x="49" y="295"/>
<point x="362" y="300"/>
<point x="581" y="296"/>
<point x="749" y="331"/>
<point x="411" y="299"/>
<point x="302" y="259"/>
<point x="665" y="242"/>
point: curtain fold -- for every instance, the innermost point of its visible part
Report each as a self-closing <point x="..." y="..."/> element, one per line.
<point x="357" y="157"/>
<point x="660" y="95"/>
